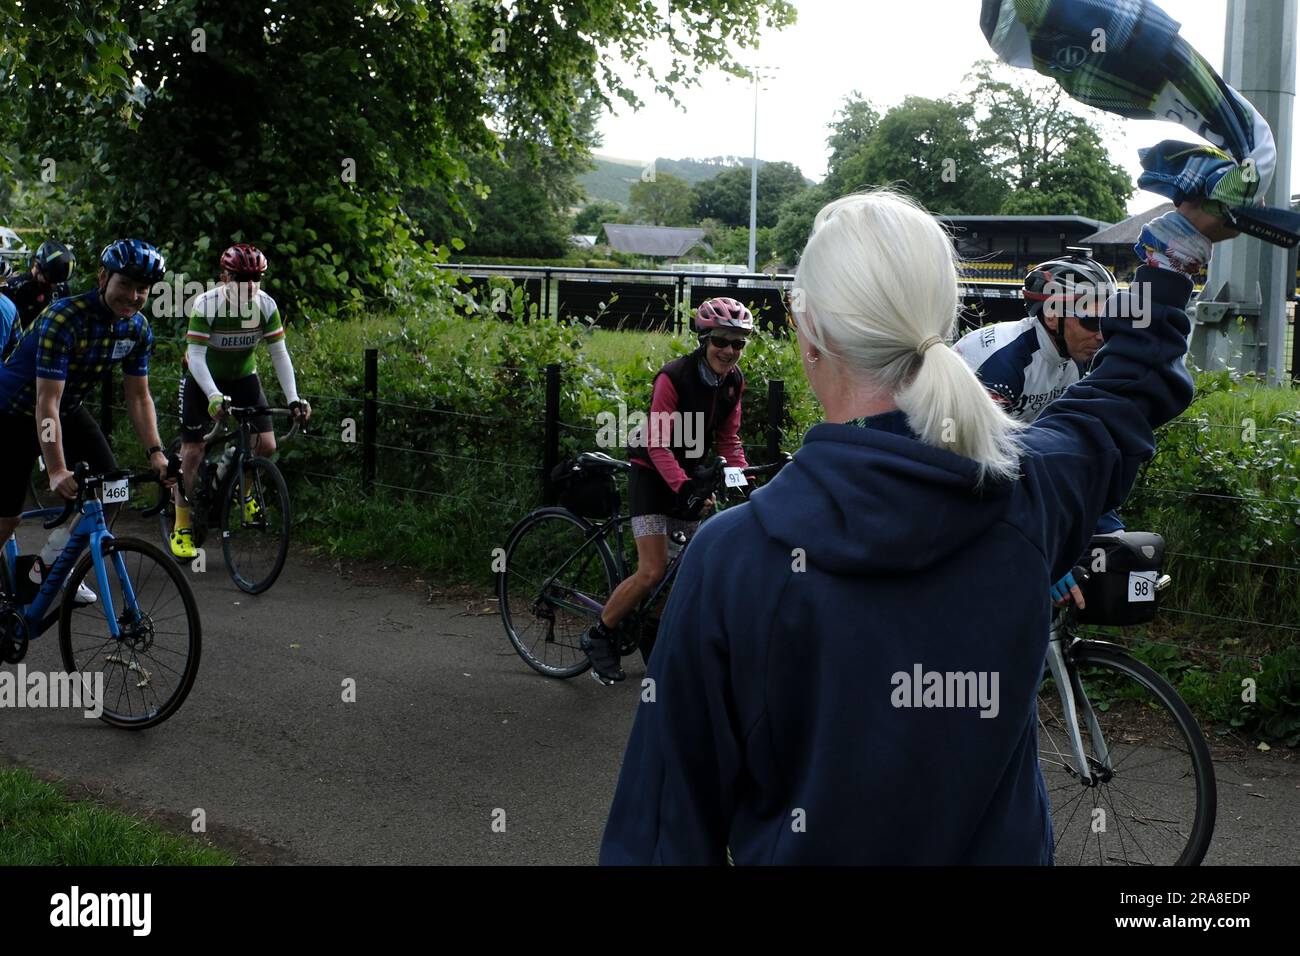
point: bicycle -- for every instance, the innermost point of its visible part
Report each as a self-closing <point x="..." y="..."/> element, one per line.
<point x="243" y="495"/>
<point x="545" y="612"/>
<point x="149" y="667"/>
<point x="1128" y="771"/>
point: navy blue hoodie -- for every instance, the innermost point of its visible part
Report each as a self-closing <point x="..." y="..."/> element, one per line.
<point x="784" y="723"/>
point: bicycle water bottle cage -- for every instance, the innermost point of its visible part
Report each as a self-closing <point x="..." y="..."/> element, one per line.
<point x="1123" y="573"/>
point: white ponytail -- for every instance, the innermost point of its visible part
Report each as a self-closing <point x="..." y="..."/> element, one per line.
<point x="878" y="279"/>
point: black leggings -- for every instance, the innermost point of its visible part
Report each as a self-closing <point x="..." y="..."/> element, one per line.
<point x="82" y="441"/>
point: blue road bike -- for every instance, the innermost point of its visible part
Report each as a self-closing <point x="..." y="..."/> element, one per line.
<point x="142" y="631"/>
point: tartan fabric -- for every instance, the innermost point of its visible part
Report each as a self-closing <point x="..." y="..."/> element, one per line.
<point x="74" y="340"/>
<point x="1126" y="57"/>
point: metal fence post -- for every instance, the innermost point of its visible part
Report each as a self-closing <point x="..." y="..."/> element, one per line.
<point x="106" y="403"/>
<point x="551" y="446"/>
<point x="368" y="420"/>
<point x="775" y="416"/>
<point x="683" y="304"/>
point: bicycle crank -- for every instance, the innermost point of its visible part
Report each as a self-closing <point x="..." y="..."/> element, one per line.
<point x="13" y="636"/>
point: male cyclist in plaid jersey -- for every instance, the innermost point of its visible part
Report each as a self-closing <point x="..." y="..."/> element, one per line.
<point x="226" y="323"/>
<point x="58" y="360"/>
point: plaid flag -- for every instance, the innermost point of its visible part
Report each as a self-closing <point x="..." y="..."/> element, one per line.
<point x="1126" y="57"/>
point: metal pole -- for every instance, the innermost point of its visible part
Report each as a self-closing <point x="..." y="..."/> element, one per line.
<point x="1259" y="61"/>
<point x="753" y="187"/>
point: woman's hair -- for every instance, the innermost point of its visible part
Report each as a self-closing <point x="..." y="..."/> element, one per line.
<point x="878" y="279"/>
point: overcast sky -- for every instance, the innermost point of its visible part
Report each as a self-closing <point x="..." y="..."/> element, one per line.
<point x="886" y="50"/>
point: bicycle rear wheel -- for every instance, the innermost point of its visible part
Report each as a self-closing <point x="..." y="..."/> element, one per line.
<point x="149" y="671"/>
<point x="1152" y="799"/>
<point x="556" y="581"/>
<point x="255" y="525"/>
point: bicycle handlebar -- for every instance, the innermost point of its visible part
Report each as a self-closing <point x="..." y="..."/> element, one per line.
<point x="87" y="482"/>
<point x="241" y="412"/>
<point x="715" y="471"/>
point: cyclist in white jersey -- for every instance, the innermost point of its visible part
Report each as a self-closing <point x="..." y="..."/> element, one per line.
<point x="1027" y="363"/>
<point x="226" y="323"/>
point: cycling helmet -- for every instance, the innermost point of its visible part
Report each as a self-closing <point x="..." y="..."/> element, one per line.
<point x="55" y="260"/>
<point x="723" y="313"/>
<point x="242" y="259"/>
<point x="133" y="258"/>
<point x="1068" y="277"/>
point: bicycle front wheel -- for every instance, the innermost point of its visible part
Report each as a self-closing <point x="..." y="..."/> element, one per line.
<point x="255" y="525"/>
<point x="557" y="579"/>
<point x="148" y="670"/>
<point x="1151" y="797"/>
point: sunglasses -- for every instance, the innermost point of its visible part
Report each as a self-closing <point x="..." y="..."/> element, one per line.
<point x="721" y="342"/>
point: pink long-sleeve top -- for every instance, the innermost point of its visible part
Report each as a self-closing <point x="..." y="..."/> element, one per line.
<point x="727" y="438"/>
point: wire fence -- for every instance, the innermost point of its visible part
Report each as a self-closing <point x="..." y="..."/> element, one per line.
<point x="379" y="432"/>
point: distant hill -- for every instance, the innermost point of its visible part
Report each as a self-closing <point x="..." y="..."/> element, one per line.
<point x="612" y="177"/>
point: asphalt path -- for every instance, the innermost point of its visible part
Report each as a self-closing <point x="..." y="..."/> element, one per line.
<point x="454" y="751"/>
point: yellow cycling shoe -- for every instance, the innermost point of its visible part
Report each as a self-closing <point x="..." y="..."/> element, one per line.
<point x="252" y="511"/>
<point x="182" y="542"/>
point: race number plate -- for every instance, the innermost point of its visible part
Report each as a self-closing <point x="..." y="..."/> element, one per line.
<point x="116" y="492"/>
<point x="1142" y="586"/>
<point x="735" y="477"/>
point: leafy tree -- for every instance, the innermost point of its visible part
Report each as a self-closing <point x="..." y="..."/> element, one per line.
<point x="1079" y="181"/>
<point x="795" y="223"/>
<point x="301" y="126"/>
<point x="588" y="220"/>
<point x="665" y="200"/>
<point x="852" y="127"/>
<point x="927" y="147"/>
<point x="725" y="197"/>
<point x="730" y="244"/>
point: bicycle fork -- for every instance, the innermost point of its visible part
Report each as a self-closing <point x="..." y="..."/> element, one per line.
<point x="1073" y="699"/>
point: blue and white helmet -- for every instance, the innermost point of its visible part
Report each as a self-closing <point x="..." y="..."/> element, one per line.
<point x="135" y="259"/>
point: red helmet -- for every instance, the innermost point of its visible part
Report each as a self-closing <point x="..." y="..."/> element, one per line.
<point x="723" y="313"/>
<point x="243" y="260"/>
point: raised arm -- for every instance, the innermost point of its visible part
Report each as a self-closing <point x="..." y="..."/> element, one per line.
<point x="1084" y="451"/>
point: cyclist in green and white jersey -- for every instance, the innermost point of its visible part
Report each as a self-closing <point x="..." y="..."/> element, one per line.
<point x="226" y="323"/>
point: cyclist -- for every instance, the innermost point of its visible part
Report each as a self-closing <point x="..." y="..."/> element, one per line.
<point x="57" y="361"/>
<point x="848" y="665"/>
<point x="226" y="323"/>
<point x="701" y="393"/>
<point x="10" y="330"/>
<point x="44" y="283"/>
<point x="1027" y="363"/>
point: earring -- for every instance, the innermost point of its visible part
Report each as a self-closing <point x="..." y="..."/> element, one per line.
<point x="812" y="358"/>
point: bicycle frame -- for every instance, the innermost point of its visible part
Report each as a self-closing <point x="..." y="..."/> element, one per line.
<point x="587" y="605"/>
<point x="91" y="530"/>
<point x="1071" y="692"/>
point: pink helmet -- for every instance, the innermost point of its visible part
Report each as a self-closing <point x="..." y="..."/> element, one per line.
<point x="723" y="313"/>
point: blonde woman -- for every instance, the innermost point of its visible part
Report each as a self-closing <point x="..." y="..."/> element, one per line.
<point x="794" y="719"/>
